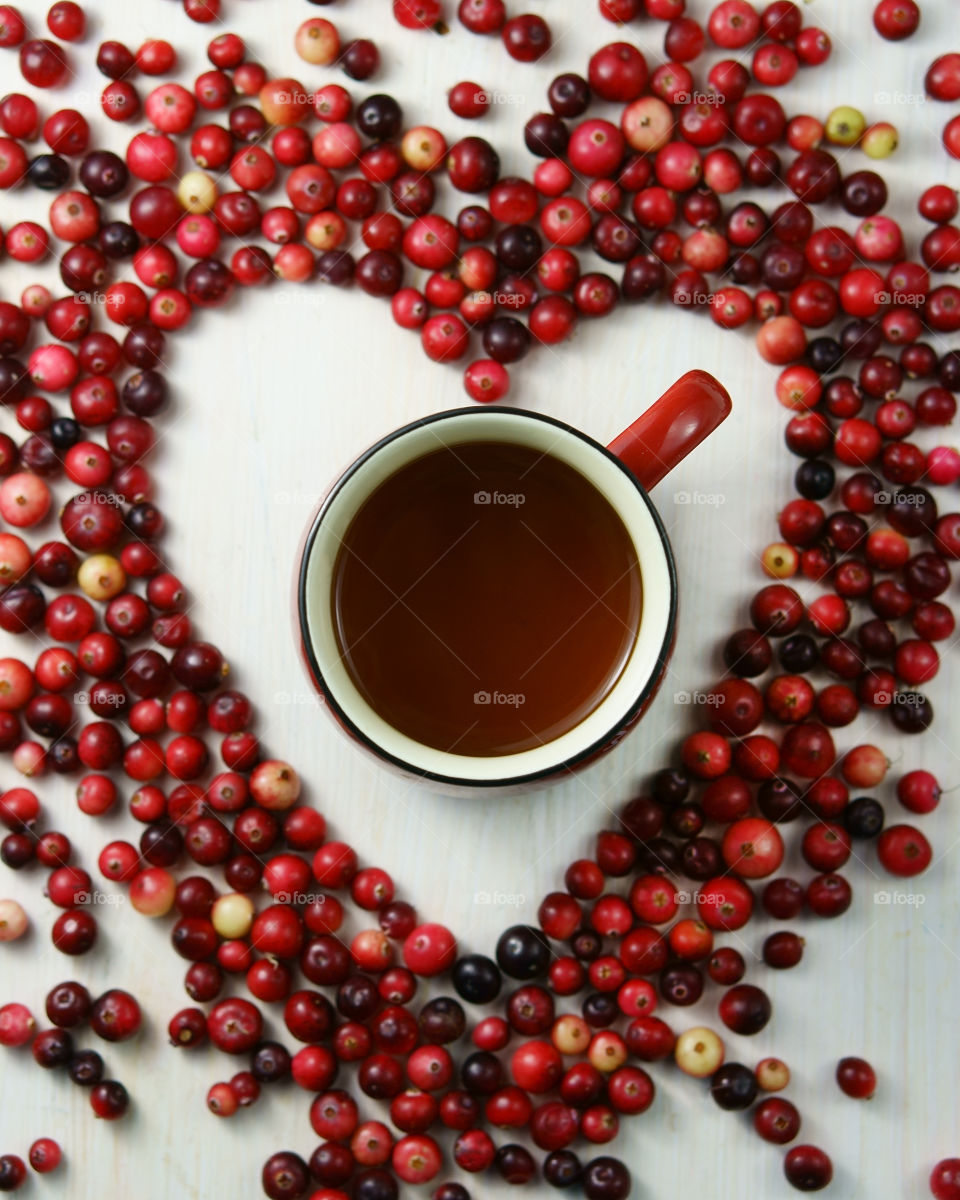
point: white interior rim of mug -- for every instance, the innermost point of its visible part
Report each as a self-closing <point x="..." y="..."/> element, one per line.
<point x="611" y="478"/>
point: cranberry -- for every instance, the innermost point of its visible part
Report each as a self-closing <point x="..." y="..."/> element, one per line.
<point x="759" y="120"/>
<point x="53" y="849"/>
<point x="68" y="1005"/>
<point x="569" y="95"/>
<point x="285" y="1176"/>
<point x="605" y="1178"/>
<point x="381" y="1077"/>
<point x="482" y="16"/>
<point x="733" y="1086"/>
<point x="442" y="1020"/>
<point x="807" y="1168"/>
<point x="52" y="1048"/>
<point x="325" y="961"/>
<point x="526" y="38"/>
<point x="43" y="63"/>
<point x="188" y="1028"/>
<point x="904" y="851"/>
<point x="683" y="40"/>
<point x="12" y="26"/>
<point x="331" y="1164"/>
<point x="945" y="1179"/>
<point x="783" y="899"/>
<point x="733" y="24"/>
<point x="515" y="1164"/>
<point x="747" y="653"/>
<point x="235" y="1026"/>
<point x="115" y="1016"/>
<point x="782" y="950"/>
<point x="270" y="1062"/>
<point x="13" y="1172"/>
<point x="777" y="609"/>
<point x="45" y="1155"/>
<point x="829" y="895"/>
<point x="856" y="1078"/>
<point x="333" y="1114"/>
<point x="617" y="72"/>
<point x="896" y="19"/>
<point x="776" y="1120"/>
<point x="477" y="979"/>
<point x="681" y="985"/>
<point x="358" y="998"/>
<point x="918" y="791"/>
<point x="745" y="1009"/>
<point x="360" y="58"/>
<point x="86" y="1068"/>
<point x="546" y="136"/>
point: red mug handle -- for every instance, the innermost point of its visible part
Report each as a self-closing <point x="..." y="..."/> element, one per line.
<point x="672" y="426"/>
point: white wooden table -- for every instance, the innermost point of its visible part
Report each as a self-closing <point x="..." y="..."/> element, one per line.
<point x="277" y="394"/>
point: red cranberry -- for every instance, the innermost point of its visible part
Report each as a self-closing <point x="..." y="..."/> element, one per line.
<point x="527" y="38"/>
<point x="235" y="1026"/>
<point x="896" y="19"/>
<point x="109" y="1100"/>
<point x="115" y="1016"/>
<point x="43" y="63"/>
<point x="360" y="58"/>
<point x="776" y="1120"/>
<point x="745" y="1009"/>
<point x="856" y="1078"/>
<point x="807" y="1168"/>
<point x="285" y="1176"/>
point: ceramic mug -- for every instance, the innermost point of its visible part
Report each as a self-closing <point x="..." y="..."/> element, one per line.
<point x="623" y="472"/>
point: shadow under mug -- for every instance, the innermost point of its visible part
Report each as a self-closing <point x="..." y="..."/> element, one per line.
<point x="623" y="473"/>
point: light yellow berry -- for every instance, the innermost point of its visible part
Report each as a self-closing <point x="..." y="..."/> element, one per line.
<point x="197" y="192"/>
<point x="232" y="915"/>
<point x="101" y="577"/>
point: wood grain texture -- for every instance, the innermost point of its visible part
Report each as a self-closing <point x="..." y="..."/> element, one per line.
<point x="272" y="399"/>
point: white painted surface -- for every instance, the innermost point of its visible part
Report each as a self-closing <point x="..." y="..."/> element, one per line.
<point x="272" y="399"/>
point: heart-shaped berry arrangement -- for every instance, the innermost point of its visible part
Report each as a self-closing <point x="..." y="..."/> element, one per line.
<point x="688" y="856"/>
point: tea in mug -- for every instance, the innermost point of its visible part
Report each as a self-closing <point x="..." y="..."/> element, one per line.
<point x="486" y="598"/>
